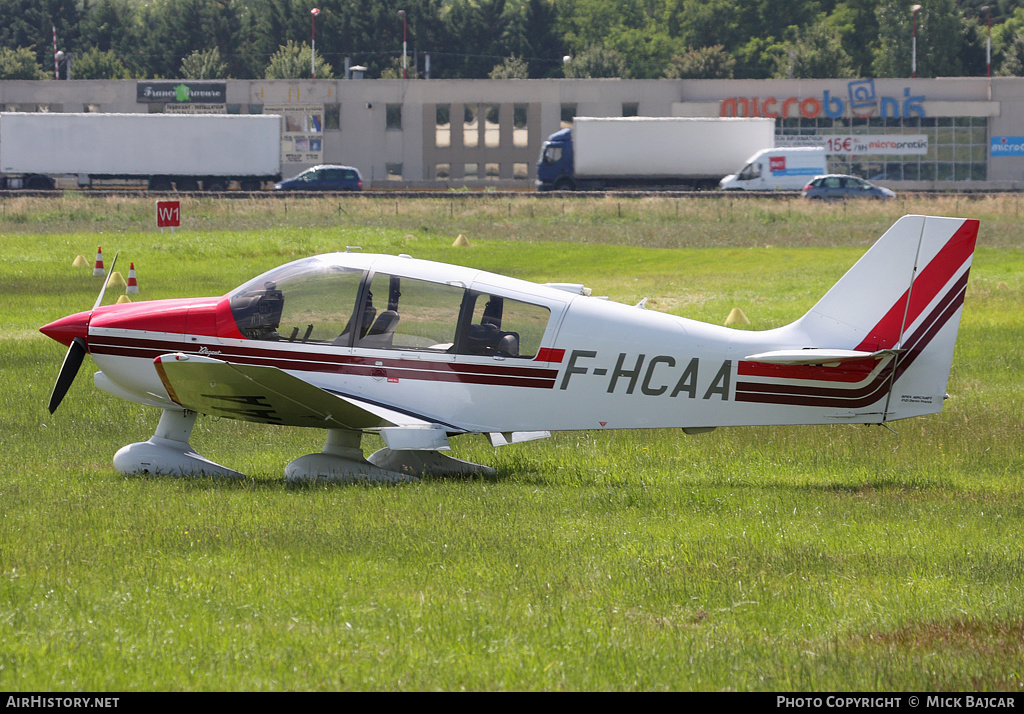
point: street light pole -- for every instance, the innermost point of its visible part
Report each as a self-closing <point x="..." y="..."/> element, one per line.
<point x="913" y="43"/>
<point x="405" y="26"/>
<point x="312" y="48"/>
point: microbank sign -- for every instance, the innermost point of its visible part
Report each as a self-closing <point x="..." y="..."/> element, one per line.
<point x="861" y="100"/>
<point x="1007" y="146"/>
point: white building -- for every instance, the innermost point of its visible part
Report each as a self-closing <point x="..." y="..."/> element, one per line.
<point x="934" y="134"/>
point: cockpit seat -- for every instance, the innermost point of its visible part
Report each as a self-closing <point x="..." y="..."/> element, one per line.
<point x="382" y="331"/>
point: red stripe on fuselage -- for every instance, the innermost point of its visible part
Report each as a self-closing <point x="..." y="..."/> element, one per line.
<point x="146" y="347"/>
<point x="802" y="395"/>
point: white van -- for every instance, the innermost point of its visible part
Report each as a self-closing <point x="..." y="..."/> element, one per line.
<point x="786" y="169"/>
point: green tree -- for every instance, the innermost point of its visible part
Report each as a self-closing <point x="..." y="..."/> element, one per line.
<point x="701" y="63"/>
<point x="944" y="34"/>
<point x="857" y="24"/>
<point x="758" y="57"/>
<point x="544" y="38"/>
<point x="892" y="57"/>
<point x="475" y="31"/>
<point x="817" y="52"/>
<point x="512" y="68"/>
<point x="171" y="30"/>
<point x="705" y="23"/>
<point x="98" y="64"/>
<point x="942" y="40"/>
<point x="20" y="63"/>
<point x="292" y="61"/>
<point x="114" y="26"/>
<point x="1004" y="33"/>
<point x="595" y="62"/>
<point x="1013" y="58"/>
<point x="30" y="23"/>
<point x="204" y="64"/>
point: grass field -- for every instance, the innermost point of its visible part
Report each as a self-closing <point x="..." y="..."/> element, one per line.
<point x="789" y="559"/>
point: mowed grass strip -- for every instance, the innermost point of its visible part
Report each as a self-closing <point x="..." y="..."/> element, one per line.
<point x="751" y="559"/>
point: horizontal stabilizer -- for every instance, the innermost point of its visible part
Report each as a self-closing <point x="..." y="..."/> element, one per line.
<point x="814" y="355"/>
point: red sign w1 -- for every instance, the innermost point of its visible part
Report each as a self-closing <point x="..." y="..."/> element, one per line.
<point x="168" y="214"/>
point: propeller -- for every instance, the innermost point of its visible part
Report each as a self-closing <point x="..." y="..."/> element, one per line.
<point x="68" y="371"/>
<point x="76" y="353"/>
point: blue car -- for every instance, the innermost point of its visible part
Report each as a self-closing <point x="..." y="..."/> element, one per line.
<point x="834" y="187"/>
<point x="324" y="178"/>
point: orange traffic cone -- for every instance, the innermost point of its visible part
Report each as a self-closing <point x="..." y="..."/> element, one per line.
<point x="133" y="285"/>
<point x="98" y="270"/>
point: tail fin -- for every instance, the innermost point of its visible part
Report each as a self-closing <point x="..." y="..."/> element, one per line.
<point x="905" y="295"/>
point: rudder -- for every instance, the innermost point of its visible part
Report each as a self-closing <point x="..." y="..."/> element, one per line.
<point x="906" y="293"/>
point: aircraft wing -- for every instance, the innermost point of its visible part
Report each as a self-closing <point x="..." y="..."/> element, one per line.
<point x="268" y="395"/>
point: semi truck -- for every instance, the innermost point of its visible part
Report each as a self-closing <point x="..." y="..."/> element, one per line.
<point x="649" y="153"/>
<point x="185" y="152"/>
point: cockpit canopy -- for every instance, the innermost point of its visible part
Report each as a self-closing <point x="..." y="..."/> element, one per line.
<point x="319" y="301"/>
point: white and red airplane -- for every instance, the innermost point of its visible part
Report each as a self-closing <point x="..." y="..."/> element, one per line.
<point x="419" y="352"/>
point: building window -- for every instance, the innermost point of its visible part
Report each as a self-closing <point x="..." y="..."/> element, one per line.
<point x="394" y="116"/>
<point x="332" y="116"/>
<point x="470" y="132"/>
<point x="568" y="115"/>
<point x="394" y="172"/>
<point x="442" y="126"/>
<point x="520" y="131"/>
<point x="442" y="171"/>
<point x="957" y="146"/>
<point x="492" y="127"/>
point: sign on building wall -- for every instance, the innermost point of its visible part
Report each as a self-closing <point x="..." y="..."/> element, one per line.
<point x="181" y="92"/>
<point x="859" y="100"/>
<point x="860" y="144"/>
<point x="302" y="138"/>
<point x="195" y="109"/>
<point x="1007" y="146"/>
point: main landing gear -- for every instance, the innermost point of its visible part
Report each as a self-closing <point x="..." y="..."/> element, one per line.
<point x="168" y="453"/>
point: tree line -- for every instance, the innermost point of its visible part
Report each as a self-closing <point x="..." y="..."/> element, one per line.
<point x="636" y="39"/>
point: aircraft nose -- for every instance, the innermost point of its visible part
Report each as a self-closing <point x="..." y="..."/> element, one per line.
<point x="66" y="329"/>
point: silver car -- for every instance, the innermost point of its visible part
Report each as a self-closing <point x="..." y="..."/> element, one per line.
<point x="835" y="187"/>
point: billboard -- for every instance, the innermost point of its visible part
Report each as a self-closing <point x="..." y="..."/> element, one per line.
<point x="181" y="92"/>
<point x="302" y="137"/>
<point x="1007" y="146"/>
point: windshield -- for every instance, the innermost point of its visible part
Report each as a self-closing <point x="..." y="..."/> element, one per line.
<point x="750" y="171"/>
<point x="552" y="154"/>
<point x="306" y="301"/>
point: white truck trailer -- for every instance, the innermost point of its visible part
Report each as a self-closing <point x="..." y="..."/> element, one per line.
<point x="187" y="152"/>
<point x="600" y="153"/>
